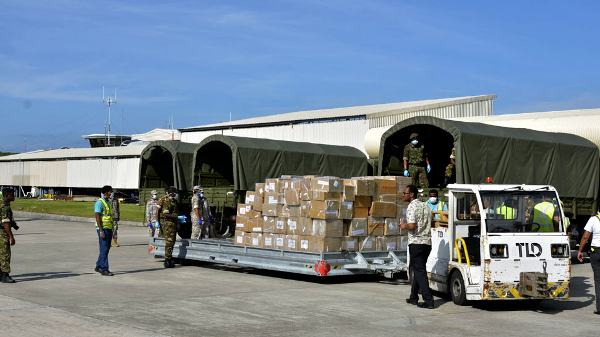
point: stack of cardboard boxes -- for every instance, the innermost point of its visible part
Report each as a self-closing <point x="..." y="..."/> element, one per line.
<point x="324" y="214"/>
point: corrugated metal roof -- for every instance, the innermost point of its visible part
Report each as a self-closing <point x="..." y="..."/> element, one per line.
<point x="98" y="152"/>
<point x="365" y="111"/>
<point x="158" y="134"/>
<point x="583" y="123"/>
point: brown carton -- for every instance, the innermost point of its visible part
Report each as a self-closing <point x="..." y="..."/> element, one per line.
<point x="327" y="184"/>
<point x="272" y="198"/>
<point x="388" y="198"/>
<point x="362" y="201"/>
<point x="250" y="197"/>
<point x="255" y="225"/>
<point x="272" y="185"/>
<point x="292" y="197"/>
<point x="325" y="245"/>
<point x="241" y="223"/>
<point x="305" y="226"/>
<point x="294" y="183"/>
<point x="272" y="209"/>
<point x="259" y="190"/>
<point x="240" y="238"/>
<point x="375" y="226"/>
<point x="402" y="243"/>
<point x="305" y="208"/>
<point x="291" y="211"/>
<point x="391" y="227"/>
<point x="305" y="244"/>
<point x="292" y="242"/>
<point x="345" y="214"/>
<point x="242" y="209"/>
<point x="401" y="211"/>
<point x="349" y="192"/>
<point x="257" y="204"/>
<point x="321" y="195"/>
<point x="293" y="226"/>
<point x="386" y="186"/>
<point x="359" y="212"/>
<point x="350" y="243"/>
<point x="279" y="241"/>
<point x="269" y="224"/>
<point x="280" y="225"/>
<point x="257" y="239"/>
<point x="326" y="204"/>
<point x="328" y="228"/>
<point x="386" y="242"/>
<point x="363" y="187"/>
<point x="383" y="209"/>
<point x="323" y="214"/>
<point x="358" y="227"/>
<point x="268" y="240"/>
<point x="367" y="244"/>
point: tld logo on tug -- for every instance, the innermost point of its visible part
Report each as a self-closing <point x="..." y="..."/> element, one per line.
<point x="533" y="250"/>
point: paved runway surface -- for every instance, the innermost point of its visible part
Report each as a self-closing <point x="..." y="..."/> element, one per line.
<point x="59" y="294"/>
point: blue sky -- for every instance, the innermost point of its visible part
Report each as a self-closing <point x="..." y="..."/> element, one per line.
<point x="198" y="60"/>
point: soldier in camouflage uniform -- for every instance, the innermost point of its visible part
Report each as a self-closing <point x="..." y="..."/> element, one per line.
<point x="195" y="214"/>
<point x="168" y="223"/>
<point x="449" y="169"/>
<point x="6" y="237"/>
<point x="116" y="214"/>
<point x="151" y="214"/>
<point x="159" y="203"/>
<point x="415" y="159"/>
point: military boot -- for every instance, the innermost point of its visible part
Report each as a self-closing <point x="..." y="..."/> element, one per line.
<point x="446" y="181"/>
<point x="114" y="243"/>
<point x="6" y="278"/>
<point x="169" y="263"/>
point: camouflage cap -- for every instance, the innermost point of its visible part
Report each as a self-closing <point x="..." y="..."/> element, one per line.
<point x="197" y="187"/>
<point x="414" y="135"/>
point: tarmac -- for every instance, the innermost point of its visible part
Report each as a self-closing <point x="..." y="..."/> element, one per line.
<point x="58" y="294"/>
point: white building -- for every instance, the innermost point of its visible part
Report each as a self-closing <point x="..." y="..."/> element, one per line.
<point x="341" y="126"/>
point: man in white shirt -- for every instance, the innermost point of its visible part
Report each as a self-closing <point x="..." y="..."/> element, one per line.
<point x="593" y="228"/>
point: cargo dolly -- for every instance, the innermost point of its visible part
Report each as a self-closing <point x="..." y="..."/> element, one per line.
<point x="224" y="251"/>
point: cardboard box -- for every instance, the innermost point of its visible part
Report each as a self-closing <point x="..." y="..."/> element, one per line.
<point x="391" y="227"/>
<point x="402" y="243"/>
<point x="349" y="192"/>
<point x="359" y="212"/>
<point x="327" y="228"/>
<point x="254" y="214"/>
<point x="259" y="190"/>
<point x="346" y="205"/>
<point x="388" y="198"/>
<point x="363" y="201"/>
<point x="272" y="198"/>
<point x="272" y="209"/>
<point x="272" y="185"/>
<point x="279" y="241"/>
<point x="327" y="184"/>
<point x="291" y="211"/>
<point x="386" y="185"/>
<point x="269" y="224"/>
<point x="257" y="239"/>
<point x="255" y="225"/>
<point x="375" y="226"/>
<point x="268" y="240"/>
<point x="305" y="226"/>
<point x="293" y="226"/>
<point x="250" y="197"/>
<point x="358" y="227"/>
<point x="324" y="244"/>
<point x="350" y="243"/>
<point x="323" y="214"/>
<point x="293" y="182"/>
<point x="240" y="238"/>
<point x="401" y="211"/>
<point x="305" y="208"/>
<point x="367" y="244"/>
<point x="383" y="209"/>
<point x="241" y="223"/>
<point x="326" y="204"/>
<point x="321" y="195"/>
<point x="280" y="225"/>
<point x="345" y="214"/>
<point x="305" y="244"/>
<point x="257" y="204"/>
<point x="292" y="242"/>
<point x="363" y="187"/>
<point x="292" y="197"/>
<point x="386" y="242"/>
<point x="242" y="209"/>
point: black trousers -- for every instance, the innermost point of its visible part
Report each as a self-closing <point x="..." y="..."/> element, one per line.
<point x="595" y="262"/>
<point x="418" y="260"/>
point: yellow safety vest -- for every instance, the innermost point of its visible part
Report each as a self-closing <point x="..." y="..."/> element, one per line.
<point x="508" y="212"/>
<point x="567" y="223"/>
<point x="107" y="220"/>
<point x="440" y="208"/>
<point x="543" y="214"/>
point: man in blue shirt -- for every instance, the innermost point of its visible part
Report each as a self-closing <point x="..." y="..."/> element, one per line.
<point x="436" y="204"/>
<point x="104" y="226"/>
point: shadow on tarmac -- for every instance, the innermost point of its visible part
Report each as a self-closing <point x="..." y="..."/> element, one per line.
<point x="44" y="276"/>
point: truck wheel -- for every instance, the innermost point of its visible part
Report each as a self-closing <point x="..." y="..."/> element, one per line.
<point x="457" y="289"/>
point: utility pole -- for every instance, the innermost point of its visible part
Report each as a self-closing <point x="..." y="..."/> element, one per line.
<point x="109" y="101"/>
<point x="121" y="126"/>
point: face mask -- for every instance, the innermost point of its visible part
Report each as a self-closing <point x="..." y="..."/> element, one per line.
<point x="176" y="197"/>
<point x="201" y="195"/>
<point x="433" y="200"/>
<point x="154" y="196"/>
<point x="112" y="194"/>
<point x="415" y="142"/>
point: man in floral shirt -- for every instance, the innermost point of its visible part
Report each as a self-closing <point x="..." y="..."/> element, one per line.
<point x="418" y="223"/>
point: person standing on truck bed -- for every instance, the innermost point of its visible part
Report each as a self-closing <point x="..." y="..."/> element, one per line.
<point x="546" y="215"/>
<point x="116" y="214"/>
<point x="415" y="159"/>
<point x="205" y="214"/>
<point x="6" y="236"/>
<point x="168" y="222"/>
<point x="151" y="213"/>
<point x="593" y="228"/>
<point x="418" y="223"/>
<point x="449" y="169"/>
<point x="104" y="225"/>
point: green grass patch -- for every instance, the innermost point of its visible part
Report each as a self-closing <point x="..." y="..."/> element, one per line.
<point x="129" y="212"/>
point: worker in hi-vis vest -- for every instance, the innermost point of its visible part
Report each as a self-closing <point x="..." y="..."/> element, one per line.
<point x="104" y="226"/>
<point x="436" y="204"/>
<point x="507" y="210"/>
<point x="546" y="215"/>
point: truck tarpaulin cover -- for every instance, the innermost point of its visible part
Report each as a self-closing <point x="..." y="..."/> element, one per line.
<point x="509" y="155"/>
<point x="252" y="160"/>
<point x="175" y="169"/>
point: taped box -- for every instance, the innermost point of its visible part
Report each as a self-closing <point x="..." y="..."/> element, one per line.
<point x="401" y="211"/>
<point x="376" y="226"/>
<point x="242" y="209"/>
<point x="325" y="204"/>
<point x="292" y="242"/>
<point x="350" y="243"/>
<point x="272" y="209"/>
<point x="349" y="192"/>
<point x="363" y="187"/>
<point x="402" y="243"/>
<point x="290" y="211"/>
<point x="386" y="242"/>
<point x="305" y="226"/>
<point x="385" y="186"/>
<point x="255" y="225"/>
<point x="367" y="244"/>
<point x="304" y="243"/>
<point x="272" y="185"/>
<point x="321" y="195"/>
<point x="363" y="201"/>
<point x="259" y="190"/>
<point x="391" y="227"/>
<point x="358" y="227"/>
<point x="293" y="226"/>
<point x="327" y="228"/>
<point x="268" y="240"/>
<point x="383" y="209"/>
<point x="279" y="240"/>
<point x="292" y="197"/>
<point x="241" y="223"/>
<point x="360" y="212"/>
<point x="327" y="184"/>
<point x="269" y="224"/>
<point x="305" y="208"/>
<point x="257" y="204"/>
<point x="257" y="240"/>
<point x="240" y="238"/>
<point x="324" y="245"/>
<point x="250" y="197"/>
<point x="388" y="198"/>
<point x="323" y="214"/>
<point x="280" y="225"/>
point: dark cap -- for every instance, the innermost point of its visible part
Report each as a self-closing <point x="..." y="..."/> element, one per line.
<point x="414" y="135"/>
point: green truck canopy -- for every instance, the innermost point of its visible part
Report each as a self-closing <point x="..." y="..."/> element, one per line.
<point x="247" y="161"/>
<point x="167" y="163"/>
<point x="509" y="155"/>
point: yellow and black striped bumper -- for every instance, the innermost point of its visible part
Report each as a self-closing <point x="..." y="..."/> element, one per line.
<point x="497" y="291"/>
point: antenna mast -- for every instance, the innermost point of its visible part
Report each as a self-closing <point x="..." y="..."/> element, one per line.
<point x="109" y="101"/>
